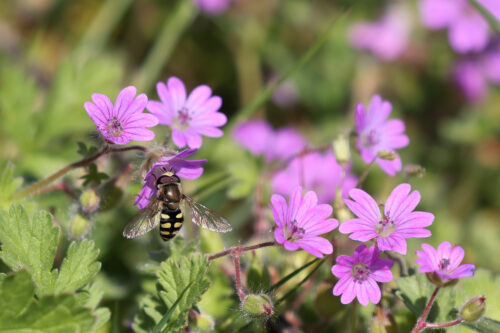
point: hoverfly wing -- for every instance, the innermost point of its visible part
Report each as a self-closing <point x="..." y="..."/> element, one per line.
<point x="143" y="222"/>
<point x="205" y="217"/>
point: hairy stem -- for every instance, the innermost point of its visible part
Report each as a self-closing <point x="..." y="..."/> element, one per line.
<point x="365" y="173"/>
<point x="237" y="273"/>
<point x="442" y="325"/>
<point x="36" y="187"/>
<point x="421" y="322"/>
<point x="239" y="249"/>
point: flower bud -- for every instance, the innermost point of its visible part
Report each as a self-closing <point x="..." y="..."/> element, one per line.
<point x="203" y="323"/>
<point x="89" y="200"/>
<point x="79" y="226"/>
<point x="436" y="280"/>
<point x="387" y="155"/>
<point x="258" y="306"/>
<point x="383" y="322"/>
<point x="414" y="170"/>
<point x="341" y="149"/>
<point x="474" y="309"/>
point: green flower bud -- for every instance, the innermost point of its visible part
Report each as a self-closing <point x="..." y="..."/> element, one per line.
<point x="342" y="149"/>
<point x="474" y="309"/>
<point x="203" y="323"/>
<point x="387" y="155"/>
<point x="89" y="200"/>
<point x="258" y="306"/>
<point x="79" y="226"/>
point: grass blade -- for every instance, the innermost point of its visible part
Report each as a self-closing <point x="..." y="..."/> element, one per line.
<point x="159" y="327"/>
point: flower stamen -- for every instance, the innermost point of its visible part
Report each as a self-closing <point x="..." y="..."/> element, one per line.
<point x="114" y="127"/>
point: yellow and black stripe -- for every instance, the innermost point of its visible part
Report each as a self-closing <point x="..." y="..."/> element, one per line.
<point x="170" y="223"/>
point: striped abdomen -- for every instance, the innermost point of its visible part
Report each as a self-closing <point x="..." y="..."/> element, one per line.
<point x="170" y="223"/>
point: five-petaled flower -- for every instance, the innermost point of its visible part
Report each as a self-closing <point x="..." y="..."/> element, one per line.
<point x="358" y="275"/>
<point x="174" y="163"/>
<point x="125" y="120"/>
<point x="190" y="117"/>
<point x="301" y="222"/>
<point x="444" y="262"/>
<point x="375" y="133"/>
<point x="397" y="222"/>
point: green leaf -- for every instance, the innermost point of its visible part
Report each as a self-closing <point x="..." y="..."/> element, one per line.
<point x="289" y="276"/>
<point x="415" y="290"/>
<point x="244" y="174"/>
<point x="30" y="244"/>
<point x="22" y="313"/>
<point x="8" y="185"/>
<point x="79" y="267"/>
<point x="174" y="277"/>
<point x="485" y="325"/>
<point x="94" y="176"/>
<point x="160" y="326"/>
<point x="258" y="277"/>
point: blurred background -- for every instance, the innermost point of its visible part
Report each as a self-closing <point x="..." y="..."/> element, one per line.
<point x="55" y="53"/>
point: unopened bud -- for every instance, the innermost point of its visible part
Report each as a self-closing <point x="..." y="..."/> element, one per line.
<point x="474" y="309"/>
<point x="79" y="226"/>
<point x="260" y="306"/>
<point x="414" y="170"/>
<point x="387" y="155"/>
<point x="89" y="200"/>
<point x="341" y="149"/>
<point x="436" y="280"/>
<point x="204" y="323"/>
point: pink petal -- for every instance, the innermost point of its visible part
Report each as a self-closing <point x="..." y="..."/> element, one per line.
<point x="291" y="246"/>
<point x="193" y="139"/>
<point x="373" y="291"/>
<point x="364" y="205"/>
<point x="392" y="243"/>
<point x="360" y="117"/>
<point x="396" y="199"/>
<point x="390" y="167"/>
<point x="356" y="225"/>
<point x="280" y="209"/>
<point x="383" y="275"/>
<point x="136" y="106"/>
<point x="139" y="134"/>
<point x="362" y="294"/>
<point x="415" y="220"/>
<point x="177" y="93"/>
<point x="466" y="270"/>
<point x="295" y="200"/>
<point x="339" y="270"/>
<point x="97" y="115"/>
<point x="469" y="34"/>
<point x="123" y="101"/>
<point x="345" y="260"/>
<point x="104" y="103"/>
<point x="179" y="138"/>
<point x="316" y="246"/>
<point x="322" y="227"/>
<point x="342" y="284"/>
<point x="349" y="293"/>
<point x="212" y="132"/>
<point x="141" y="120"/>
<point x="456" y="256"/>
<point x="160" y="111"/>
<point x="214" y="119"/>
<point x="198" y="96"/>
<point x="278" y="235"/>
<point x="212" y="105"/>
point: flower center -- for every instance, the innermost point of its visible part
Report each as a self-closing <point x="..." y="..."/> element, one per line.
<point x="444" y="263"/>
<point x="293" y="232"/>
<point x="183" y="118"/>
<point x="360" y="272"/>
<point x="371" y="138"/>
<point x="385" y="227"/>
<point x="114" y="127"/>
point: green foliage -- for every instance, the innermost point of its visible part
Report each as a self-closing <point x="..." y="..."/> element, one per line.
<point x="21" y="312"/>
<point x="8" y="185"/>
<point x="258" y="277"/>
<point x="84" y="150"/>
<point x="94" y="176"/>
<point x="174" y="277"/>
<point x="245" y="174"/>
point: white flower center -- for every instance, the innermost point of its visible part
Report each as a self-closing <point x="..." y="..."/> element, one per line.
<point x="360" y="272"/>
<point x="182" y="119"/>
<point x="385" y="227"/>
<point x="114" y="127"/>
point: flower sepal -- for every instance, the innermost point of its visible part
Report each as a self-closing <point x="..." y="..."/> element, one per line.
<point x="474" y="309"/>
<point x="258" y="306"/>
<point x="436" y="280"/>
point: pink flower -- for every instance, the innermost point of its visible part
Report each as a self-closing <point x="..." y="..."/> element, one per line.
<point x="387" y="38"/>
<point x="124" y="121"/>
<point x="318" y="172"/>
<point x="300" y="223"/>
<point x="444" y="261"/>
<point x="398" y="222"/>
<point x="213" y="6"/>
<point x="174" y="163"/>
<point x="260" y="138"/>
<point x="376" y="133"/>
<point x="358" y="275"/>
<point x="468" y="31"/>
<point x="190" y="117"/>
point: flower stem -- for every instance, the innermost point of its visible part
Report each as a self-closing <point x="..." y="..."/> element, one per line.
<point x="354" y="316"/>
<point x="421" y="322"/>
<point x="36" y="187"/>
<point x="403" y="270"/>
<point x="239" y="249"/>
<point x="237" y="273"/>
<point x="365" y="173"/>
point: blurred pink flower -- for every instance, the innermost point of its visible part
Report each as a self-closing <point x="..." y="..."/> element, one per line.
<point x="317" y="172"/>
<point x="493" y="6"/>
<point x="468" y="31"/>
<point x="376" y="133"/>
<point x="260" y="138"/>
<point x="358" y="275"/>
<point x="124" y="121"/>
<point x="387" y="38"/>
<point x="301" y="222"/>
<point x="398" y="222"/>
<point x="175" y="163"/>
<point x="190" y="117"/>
<point x="474" y="74"/>
<point x="444" y="261"/>
<point x="213" y="6"/>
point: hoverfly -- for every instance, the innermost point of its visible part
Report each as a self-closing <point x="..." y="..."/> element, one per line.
<point x="165" y="210"/>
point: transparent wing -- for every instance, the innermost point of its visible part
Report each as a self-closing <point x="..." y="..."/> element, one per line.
<point x="205" y="217"/>
<point x="143" y="222"/>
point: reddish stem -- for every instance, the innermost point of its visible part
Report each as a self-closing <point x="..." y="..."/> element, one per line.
<point x="239" y="289"/>
<point x="421" y="322"/>
<point x="239" y="249"/>
<point x="442" y="325"/>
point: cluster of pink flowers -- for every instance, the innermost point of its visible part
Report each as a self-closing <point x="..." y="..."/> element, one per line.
<point x="188" y="117"/>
